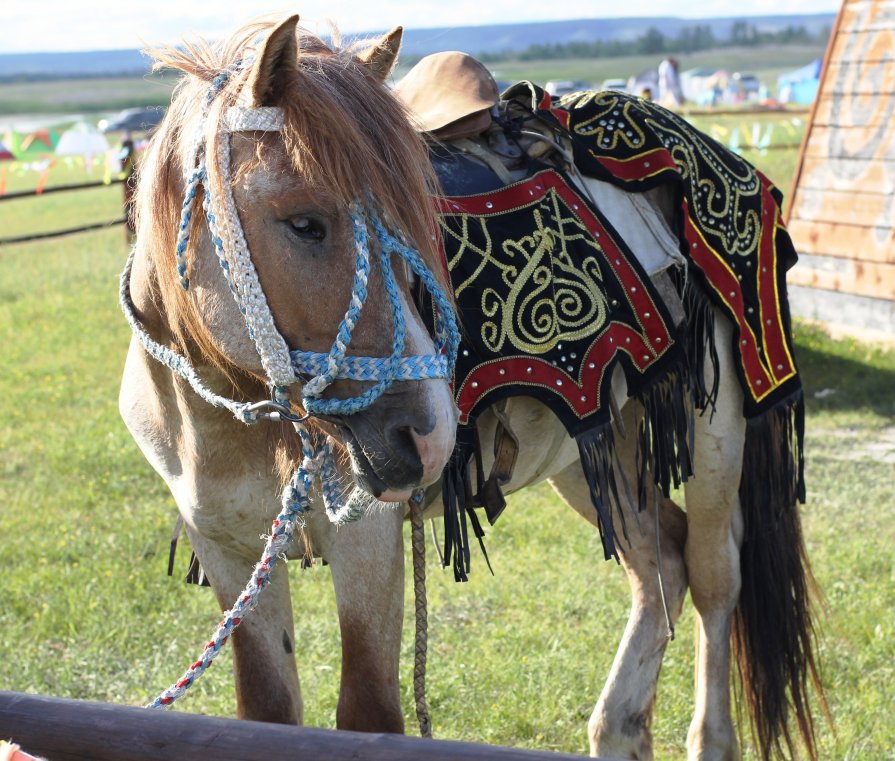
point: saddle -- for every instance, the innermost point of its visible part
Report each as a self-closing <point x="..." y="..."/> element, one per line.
<point x="451" y="95"/>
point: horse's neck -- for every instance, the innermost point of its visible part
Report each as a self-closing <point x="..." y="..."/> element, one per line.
<point x="145" y="296"/>
<point x="182" y="435"/>
<point x="188" y="442"/>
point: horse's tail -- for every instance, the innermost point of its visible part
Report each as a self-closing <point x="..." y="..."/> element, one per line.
<point x="773" y="632"/>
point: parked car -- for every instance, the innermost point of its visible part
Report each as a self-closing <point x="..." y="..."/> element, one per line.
<point x="134" y="120"/>
<point x="566" y="86"/>
<point x="748" y="82"/>
<point x="615" y="84"/>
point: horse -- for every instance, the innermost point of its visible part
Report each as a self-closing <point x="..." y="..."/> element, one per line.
<point x="340" y="141"/>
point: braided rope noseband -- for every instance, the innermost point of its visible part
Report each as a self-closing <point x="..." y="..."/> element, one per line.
<point x="282" y="366"/>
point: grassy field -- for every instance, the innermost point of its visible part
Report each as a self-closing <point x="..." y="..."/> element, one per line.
<point x="84" y="95"/>
<point x="515" y="660"/>
<point x="766" y="63"/>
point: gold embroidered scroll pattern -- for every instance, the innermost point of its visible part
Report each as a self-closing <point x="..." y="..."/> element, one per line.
<point x="724" y="188"/>
<point x="544" y="297"/>
<point x="466" y="247"/>
<point x="611" y="125"/>
<point x="722" y="185"/>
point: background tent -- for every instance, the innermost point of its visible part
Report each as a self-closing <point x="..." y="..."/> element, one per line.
<point x="27" y="146"/>
<point x="645" y="80"/>
<point x="800" y="86"/>
<point x="82" y="140"/>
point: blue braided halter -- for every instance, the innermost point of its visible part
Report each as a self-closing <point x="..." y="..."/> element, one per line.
<point x="324" y="369"/>
<point x="383" y="370"/>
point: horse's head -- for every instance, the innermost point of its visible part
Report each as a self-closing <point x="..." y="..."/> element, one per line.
<point x="310" y="167"/>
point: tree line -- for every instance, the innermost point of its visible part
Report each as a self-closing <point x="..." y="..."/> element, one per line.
<point x="690" y="39"/>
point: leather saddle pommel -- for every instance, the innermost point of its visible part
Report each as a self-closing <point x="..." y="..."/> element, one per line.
<point x="450" y="94"/>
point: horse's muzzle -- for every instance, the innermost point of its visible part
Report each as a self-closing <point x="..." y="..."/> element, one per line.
<point x="385" y="458"/>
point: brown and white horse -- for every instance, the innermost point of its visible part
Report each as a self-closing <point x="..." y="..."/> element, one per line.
<point x="346" y="136"/>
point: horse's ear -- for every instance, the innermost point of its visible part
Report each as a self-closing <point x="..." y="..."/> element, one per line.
<point x="381" y="56"/>
<point x="277" y="60"/>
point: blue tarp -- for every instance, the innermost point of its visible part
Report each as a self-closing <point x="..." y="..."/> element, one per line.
<point x="800" y="86"/>
<point x="810" y="71"/>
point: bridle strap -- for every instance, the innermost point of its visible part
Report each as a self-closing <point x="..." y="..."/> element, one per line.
<point x="260" y="119"/>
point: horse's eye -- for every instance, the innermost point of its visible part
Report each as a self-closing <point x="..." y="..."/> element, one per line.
<point x="307" y="228"/>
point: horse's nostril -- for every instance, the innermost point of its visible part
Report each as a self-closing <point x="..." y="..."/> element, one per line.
<point x="405" y="440"/>
<point x="422" y="426"/>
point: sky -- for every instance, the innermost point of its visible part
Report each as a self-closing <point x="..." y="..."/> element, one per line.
<point x="57" y="25"/>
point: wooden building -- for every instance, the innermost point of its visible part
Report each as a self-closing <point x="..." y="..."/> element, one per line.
<point x="842" y="209"/>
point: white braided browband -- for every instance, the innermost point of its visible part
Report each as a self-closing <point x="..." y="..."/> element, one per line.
<point x="262" y="119"/>
<point x="240" y="270"/>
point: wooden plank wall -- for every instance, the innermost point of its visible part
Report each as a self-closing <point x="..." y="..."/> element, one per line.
<point x="842" y="210"/>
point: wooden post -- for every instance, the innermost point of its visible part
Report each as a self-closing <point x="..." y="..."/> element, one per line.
<point x="77" y="730"/>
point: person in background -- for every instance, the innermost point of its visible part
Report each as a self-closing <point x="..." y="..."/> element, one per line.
<point x="670" y="93"/>
<point x="127" y="158"/>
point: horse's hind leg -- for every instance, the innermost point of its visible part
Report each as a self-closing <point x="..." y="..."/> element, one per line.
<point x="712" y="556"/>
<point x="620" y="724"/>
<point x="267" y="686"/>
<point x="367" y="563"/>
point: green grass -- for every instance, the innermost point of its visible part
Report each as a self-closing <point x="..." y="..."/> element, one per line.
<point x="85" y="95"/>
<point x="515" y="660"/>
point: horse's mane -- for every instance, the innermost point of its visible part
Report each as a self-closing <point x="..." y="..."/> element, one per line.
<point x="347" y="136"/>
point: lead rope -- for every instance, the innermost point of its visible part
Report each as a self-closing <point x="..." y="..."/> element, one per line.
<point x="669" y="631"/>
<point x="296" y="502"/>
<point x="421" y="642"/>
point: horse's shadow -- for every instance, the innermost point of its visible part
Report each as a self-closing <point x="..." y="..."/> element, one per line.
<point x="844" y="375"/>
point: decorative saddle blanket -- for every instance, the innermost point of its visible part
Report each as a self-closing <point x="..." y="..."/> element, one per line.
<point x="548" y="296"/>
<point x="551" y="299"/>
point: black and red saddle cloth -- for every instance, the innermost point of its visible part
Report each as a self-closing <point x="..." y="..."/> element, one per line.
<point x="551" y="299"/>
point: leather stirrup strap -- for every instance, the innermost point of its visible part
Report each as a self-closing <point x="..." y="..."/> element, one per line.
<point x="506" y="451"/>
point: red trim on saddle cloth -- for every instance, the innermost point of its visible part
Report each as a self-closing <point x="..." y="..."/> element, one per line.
<point x="560" y="114"/>
<point x="639" y="167"/>
<point x="643" y="349"/>
<point x="768" y="366"/>
<point x="583" y="397"/>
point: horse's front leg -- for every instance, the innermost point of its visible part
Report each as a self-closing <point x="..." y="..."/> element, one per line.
<point x="367" y="563"/>
<point x="267" y="686"/>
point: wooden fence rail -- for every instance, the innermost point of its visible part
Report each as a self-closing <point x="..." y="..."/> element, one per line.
<point x="69" y="230"/>
<point x="77" y="730"/>
<point x="60" y="189"/>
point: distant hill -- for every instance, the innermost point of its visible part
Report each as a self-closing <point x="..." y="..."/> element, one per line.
<point x="92" y="63"/>
<point x="493" y="38"/>
<point x="500" y="38"/>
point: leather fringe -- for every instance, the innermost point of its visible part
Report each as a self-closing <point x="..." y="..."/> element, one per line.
<point x="195" y="574"/>
<point x="597" y="451"/>
<point x="459" y="503"/>
<point x="665" y="434"/>
<point x="700" y="346"/>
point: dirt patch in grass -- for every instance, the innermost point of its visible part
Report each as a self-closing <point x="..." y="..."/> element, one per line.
<point x="878" y="446"/>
